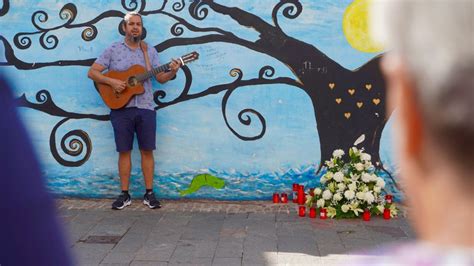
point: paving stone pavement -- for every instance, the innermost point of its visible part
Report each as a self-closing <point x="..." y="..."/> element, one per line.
<point x="200" y="232"/>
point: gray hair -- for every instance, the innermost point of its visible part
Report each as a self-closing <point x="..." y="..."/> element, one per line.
<point x="127" y="16"/>
<point x="435" y="39"/>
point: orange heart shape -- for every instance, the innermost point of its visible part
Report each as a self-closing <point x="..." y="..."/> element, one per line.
<point x="351" y="91"/>
<point x="347" y="115"/>
<point x="368" y="86"/>
<point x="338" y="100"/>
<point x="332" y="85"/>
<point x="376" y="101"/>
<point x="359" y="104"/>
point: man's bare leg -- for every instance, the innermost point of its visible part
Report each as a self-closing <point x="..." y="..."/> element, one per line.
<point x="148" y="168"/>
<point x="125" y="167"/>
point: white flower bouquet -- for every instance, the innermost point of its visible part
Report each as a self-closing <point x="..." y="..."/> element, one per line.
<point x="349" y="188"/>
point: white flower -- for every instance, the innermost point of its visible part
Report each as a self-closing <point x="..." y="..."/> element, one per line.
<point x="355" y="150"/>
<point x="329" y="175"/>
<point x="330" y="164"/>
<point x="320" y="203"/>
<point x="349" y="194"/>
<point x="323" y="180"/>
<point x="355" y="208"/>
<point x="393" y="210"/>
<point x="360" y="195"/>
<point x="369" y="197"/>
<point x="346" y="180"/>
<point x="331" y="212"/>
<point x="380" y="208"/>
<point x="327" y="195"/>
<point x="359" y="166"/>
<point x="339" y="176"/>
<point x="354" y="176"/>
<point x="374" y="177"/>
<point x="309" y="200"/>
<point x="337" y="197"/>
<point x="341" y="187"/>
<point x="338" y="153"/>
<point x="377" y="189"/>
<point x="368" y="165"/>
<point x="345" y="208"/>
<point x="380" y="182"/>
<point x="317" y="191"/>
<point x="366" y="177"/>
<point x="352" y="186"/>
<point x="365" y="156"/>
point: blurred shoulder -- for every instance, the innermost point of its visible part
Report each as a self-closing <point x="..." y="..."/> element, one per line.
<point x="415" y="253"/>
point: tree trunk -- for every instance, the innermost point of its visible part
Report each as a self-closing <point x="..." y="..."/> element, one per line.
<point x="346" y="103"/>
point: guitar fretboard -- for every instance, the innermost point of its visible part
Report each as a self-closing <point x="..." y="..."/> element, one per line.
<point x="153" y="72"/>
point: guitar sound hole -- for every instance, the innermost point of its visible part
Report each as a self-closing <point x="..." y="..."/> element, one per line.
<point x="132" y="82"/>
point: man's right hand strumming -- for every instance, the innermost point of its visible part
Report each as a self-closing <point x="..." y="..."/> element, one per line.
<point x="117" y="85"/>
<point x="95" y="73"/>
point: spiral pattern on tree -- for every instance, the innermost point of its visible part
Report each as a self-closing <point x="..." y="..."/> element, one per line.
<point x="197" y="11"/>
<point x="292" y="11"/>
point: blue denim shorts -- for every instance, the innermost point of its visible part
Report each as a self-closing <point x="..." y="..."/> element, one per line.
<point x="128" y="121"/>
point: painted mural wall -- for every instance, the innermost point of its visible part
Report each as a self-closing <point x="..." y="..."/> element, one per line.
<point x="277" y="87"/>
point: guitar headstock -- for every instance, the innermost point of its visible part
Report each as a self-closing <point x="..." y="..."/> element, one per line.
<point x="189" y="57"/>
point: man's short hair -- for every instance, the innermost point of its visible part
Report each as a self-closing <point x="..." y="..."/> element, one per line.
<point x="127" y="16"/>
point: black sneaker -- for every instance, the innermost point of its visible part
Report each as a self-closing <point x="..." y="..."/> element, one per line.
<point x="150" y="200"/>
<point x="122" y="201"/>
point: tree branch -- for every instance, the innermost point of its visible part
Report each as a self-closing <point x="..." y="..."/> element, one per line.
<point x="207" y="39"/>
<point x="231" y="86"/>
<point x="5" y="8"/>
<point x="242" y="17"/>
<point x="270" y="36"/>
<point x="187" y="24"/>
<point x="13" y="60"/>
<point x="225" y="36"/>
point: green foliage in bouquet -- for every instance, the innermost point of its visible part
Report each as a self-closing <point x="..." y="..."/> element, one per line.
<point x="350" y="186"/>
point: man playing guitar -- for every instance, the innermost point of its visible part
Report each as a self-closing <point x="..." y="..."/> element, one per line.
<point x="138" y="116"/>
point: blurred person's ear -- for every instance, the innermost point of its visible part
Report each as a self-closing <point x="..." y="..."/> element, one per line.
<point x="402" y="95"/>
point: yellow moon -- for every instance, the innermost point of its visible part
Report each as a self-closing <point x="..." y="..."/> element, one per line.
<point x="355" y="25"/>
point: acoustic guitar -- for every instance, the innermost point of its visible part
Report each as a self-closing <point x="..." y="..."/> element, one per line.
<point x="134" y="76"/>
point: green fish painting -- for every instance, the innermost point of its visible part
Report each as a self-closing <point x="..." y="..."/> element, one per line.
<point x="203" y="180"/>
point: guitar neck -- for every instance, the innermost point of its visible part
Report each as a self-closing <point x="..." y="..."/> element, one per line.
<point x="153" y="72"/>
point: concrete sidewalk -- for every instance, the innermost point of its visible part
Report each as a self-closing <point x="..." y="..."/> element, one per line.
<point x="217" y="233"/>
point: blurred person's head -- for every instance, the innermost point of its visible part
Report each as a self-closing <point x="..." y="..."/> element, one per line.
<point x="430" y="76"/>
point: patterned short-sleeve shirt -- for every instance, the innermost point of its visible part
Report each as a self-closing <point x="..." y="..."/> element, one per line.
<point x="119" y="57"/>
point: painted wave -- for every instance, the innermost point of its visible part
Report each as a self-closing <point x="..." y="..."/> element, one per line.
<point x="238" y="185"/>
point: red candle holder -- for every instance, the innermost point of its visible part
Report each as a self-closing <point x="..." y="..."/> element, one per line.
<point x="323" y="215"/>
<point x="276" y="198"/>
<point x="295" y="187"/>
<point x="284" y="198"/>
<point x="386" y="214"/>
<point x="295" y="192"/>
<point x="312" y="212"/>
<point x="302" y="211"/>
<point x="366" y="215"/>
<point x="301" y="195"/>
<point x="388" y="199"/>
